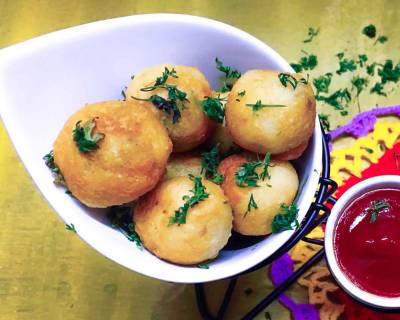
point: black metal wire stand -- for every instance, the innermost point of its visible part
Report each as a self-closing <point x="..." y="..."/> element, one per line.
<point x="312" y="219"/>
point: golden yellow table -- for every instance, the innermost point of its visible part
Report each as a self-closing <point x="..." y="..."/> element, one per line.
<point x="49" y="273"/>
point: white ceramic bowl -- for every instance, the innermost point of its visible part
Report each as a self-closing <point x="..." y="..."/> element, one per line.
<point x="44" y="80"/>
<point x="353" y="193"/>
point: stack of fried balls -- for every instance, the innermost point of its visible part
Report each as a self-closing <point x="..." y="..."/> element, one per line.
<point x="193" y="162"/>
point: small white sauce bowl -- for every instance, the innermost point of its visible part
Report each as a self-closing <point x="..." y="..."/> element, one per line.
<point x="372" y="300"/>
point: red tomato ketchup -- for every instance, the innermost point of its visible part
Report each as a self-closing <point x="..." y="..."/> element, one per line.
<point x="367" y="242"/>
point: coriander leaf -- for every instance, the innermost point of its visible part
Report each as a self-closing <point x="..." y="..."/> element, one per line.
<point x="203" y="265"/>
<point x="267" y="316"/>
<point x="259" y="105"/>
<point x="345" y="64"/>
<point x="252" y="205"/>
<point x="369" y="31"/>
<point x="344" y="113"/>
<point x="362" y="59"/>
<point x="84" y="138"/>
<point x="241" y="93"/>
<point x="381" y="39"/>
<point x="371" y="69"/>
<point x="230" y="73"/>
<point x="307" y="62"/>
<point x="70" y="227"/>
<point x="359" y="84"/>
<point x="311" y="34"/>
<point x="199" y="194"/>
<point x="336" y="99"/>
<point x="209" y="165"/>
<point x="214" y="108"/>
<point x="377" y="207"/>
<point x="325" y="122"/>
<point x="165" y="75"/>
<point x="389" y="72"/>
<point x="266" y="164"/>
<point x="120" y="218"/>
<point x="246" y="175"/>
<point x="285" y="219"/>
<point x="322" y="83"/>
<point x="287" y="78"/>
<point x="123" y="93"/>
<point x="378" y="89"/>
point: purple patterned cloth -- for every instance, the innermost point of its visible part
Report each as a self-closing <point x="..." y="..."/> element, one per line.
<point x="281" y="269"/>
<point x="364" y="122"/>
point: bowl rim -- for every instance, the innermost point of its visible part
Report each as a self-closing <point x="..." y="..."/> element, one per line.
<point x="11" y="53"/>
<point x="370" y="299"/>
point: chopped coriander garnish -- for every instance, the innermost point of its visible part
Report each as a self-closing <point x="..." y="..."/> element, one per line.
<point x="55" y="170"/>
<point x="344" y="113"/>
<point x="120" y="218"/>
<point x="285" y="219"/>
<point x="389" y="72"/>
<point x="369" y="150"/>
<point x="325" y="122"/>
<point x="378" y="89"/>
<point x="369" y="31"/>
<point x="241" y="93"/>
<point x="259" y="105"/>
<point x="345" y="64"/>
<point x="376" y="207"/>
<point x="322" y="83"/>
<point x="371" y="69"/>
<point x="199" y="194"/>
<point x="307" y="62"/>
<point x="381" y="39"/>
<point x="359" y="83"/>
<point x="287" y="78"/>
<point x="311" y="34"/>
<point x="231" y="75"/>
<point x="362" y="59"/>
<point x="70" y="227"/>
<point x="214" y="108"/>
<point x="336" y="99"/>
<point x="252" y="205"/>
<point x="175" y="96"/>
<point x="209" y="165"/>
<point x="123" y="93"/>
<point x="267" y="316"/>
<point x="247" y="176"/>
<point x="203" y="265"/>
<point x="84" y="138"/>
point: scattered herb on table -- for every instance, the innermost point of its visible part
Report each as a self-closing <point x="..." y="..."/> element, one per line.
<point x="259" y="105"/>
<point x="214" y="108"/>
<point x="84" y="137"/>
<point x="267" y="316"/>
<point x="231" y="75"/>
<point x="369" y="31"/>
<point x="312" y="33"/>
<point x="322" y="83"/>
<point x="378" y="89"/>
<point x="287" y="78"/>
<point x="120" y="218"/>
<point x="199" y="194"/>
<point x="70" y="227"/>
<point x="209" y="165"/>
<point x="345" y="64"/>
<point x="307" y="62"/>
<point x="285" y="219"/>
<point x="362" y="59"/>
<point x="381" y="39"/>
<point x="376" y="208"/>
<point x="251" y="205"/>
<point x="359" y="83"/>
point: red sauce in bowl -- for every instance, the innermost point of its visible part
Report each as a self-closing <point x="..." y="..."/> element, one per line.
<point x="367" y="242"/>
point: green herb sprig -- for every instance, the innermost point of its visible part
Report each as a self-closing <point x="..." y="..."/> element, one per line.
<point x="120" y="218"/>
<point x="251" y="205"/>
<point x="84" y="138"/>
<point x="247" y="176"/>
<point x="345" y="65"/>
<point x="199" y="194"/>
<point x="259" y="105"/>
<point x="287" y="78"/>
<point x="55" y="170"/>
<point x="307" y="62"/>
<point x="377" y="207"/>
<point x="70" y="227"/>
<point x="214" y="108"/>
<point x="312" y="33"/>
<point x="209" y="165"/>
<point x="285" y="219"/>
<point x="322" y="83"/>
<point x="231" y="75"/>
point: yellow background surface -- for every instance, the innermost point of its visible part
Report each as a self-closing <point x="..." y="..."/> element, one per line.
<point x="49" y="273"/>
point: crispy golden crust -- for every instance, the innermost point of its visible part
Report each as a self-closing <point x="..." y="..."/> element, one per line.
<point x="274" y="130"/>
<point x="127" y="164"/>
<point x="271" y="193"/>
<point x="207" y="229"/>
<point x="182" y="165"/>
<point x="293" y="153"/>
<point x="194" y="126"/>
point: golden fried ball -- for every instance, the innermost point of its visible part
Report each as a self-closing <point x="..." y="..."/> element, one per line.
<point x="206" y="231"/>
<point x="281" y="188"/>
<point x="292" y="154"/>
<point x="181" y="165"/>
<point x="130" y="160"/>
<point x="193" y="127"/>
<point x="270" y="129"/>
